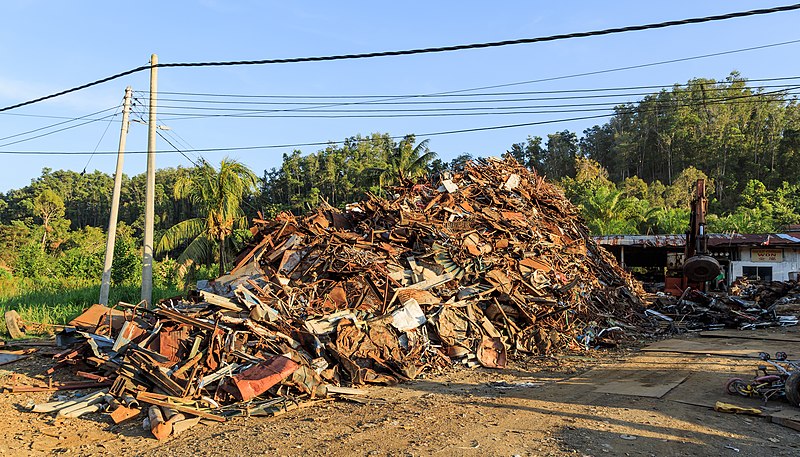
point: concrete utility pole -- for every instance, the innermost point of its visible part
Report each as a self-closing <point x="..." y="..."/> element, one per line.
<point x="105" y="284"/>
<point x="149" y="199"/>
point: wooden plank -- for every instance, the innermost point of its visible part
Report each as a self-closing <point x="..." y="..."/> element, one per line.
<point x="792" y="424"/>
<point x="146" y="397"/>
<point x="10" y="357"/>
<point x="77" y="385"/>
<point x="750" y="335"/>
<point x="639" y="383"/>
<point x="732" y="347"/>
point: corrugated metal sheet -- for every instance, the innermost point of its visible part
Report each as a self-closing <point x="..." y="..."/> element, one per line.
<point x="714" y="240"/>
<point x="788" y="237"/>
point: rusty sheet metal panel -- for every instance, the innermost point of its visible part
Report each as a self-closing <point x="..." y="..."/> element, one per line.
<point x="169" y="342"/>
<point x="99" y="315"/>
<point x="260" y="378"/>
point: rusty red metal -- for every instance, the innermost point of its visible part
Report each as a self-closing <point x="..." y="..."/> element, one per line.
<point x="260" y="378"/>
<point x="169" y="342"/>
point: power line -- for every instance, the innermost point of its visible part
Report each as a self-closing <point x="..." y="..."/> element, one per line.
<point x="461" y="47"/>
<point x="470" y="111"/>
<point x="616" y="110"/>
<point x="562" y="91"/>
<point x="70" y="119"/>
<point x="176" y="148"/>
<point x="57" y="131"/>
<point x="140" y="114"/>
<point x="326" y="143"/>
<point x="450" y="94"/>
<point x="439" y="102"/>
<point x="443" y="112"/>
<point x="555" y="78"/>
<point x="447" y="103"/>
<point x="320" y="143"/>
<point x="98" y="142"/>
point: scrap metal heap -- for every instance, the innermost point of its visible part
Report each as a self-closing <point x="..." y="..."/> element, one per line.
<point x="748" y="305"/>
<point x="493" y="263"/>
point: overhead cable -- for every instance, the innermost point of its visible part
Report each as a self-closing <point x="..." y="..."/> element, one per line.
<point x="461" y="47"/>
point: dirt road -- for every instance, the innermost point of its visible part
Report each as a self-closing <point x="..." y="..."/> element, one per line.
<point x="550" y="407"/>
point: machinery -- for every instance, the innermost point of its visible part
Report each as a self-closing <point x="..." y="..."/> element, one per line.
<point x="697" y="266"/>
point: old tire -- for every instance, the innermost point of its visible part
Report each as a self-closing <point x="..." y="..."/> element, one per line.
<point x="793" y="388"/>
<point x="732" y="386"/>
<point x="13" y="324"/>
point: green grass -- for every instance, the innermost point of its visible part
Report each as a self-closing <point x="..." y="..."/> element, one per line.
<point x="59" y="301"/>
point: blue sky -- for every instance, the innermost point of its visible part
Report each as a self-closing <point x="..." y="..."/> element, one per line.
<point x="47" y="46"/>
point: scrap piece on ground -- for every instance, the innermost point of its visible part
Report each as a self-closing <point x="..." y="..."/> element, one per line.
<point x="261" y="377"/>
<point x="492" y="353"/>
<point x="735" y="409"/>
<point x="7" y="357"/>
<point x="123" y="413"/>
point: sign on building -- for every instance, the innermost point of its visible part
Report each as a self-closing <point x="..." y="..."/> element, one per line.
<point x="766" y="255"/>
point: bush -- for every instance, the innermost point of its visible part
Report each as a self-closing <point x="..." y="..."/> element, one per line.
<point x="32" y="262"/>
<point x="127" y="266"/>
<point x="77" y="263"/>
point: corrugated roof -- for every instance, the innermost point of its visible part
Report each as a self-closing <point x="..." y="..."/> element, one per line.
<point x="714" y="240"/>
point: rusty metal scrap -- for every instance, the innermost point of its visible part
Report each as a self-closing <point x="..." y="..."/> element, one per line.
<point x="492" y="264"/>
<point x="746" y="305"/>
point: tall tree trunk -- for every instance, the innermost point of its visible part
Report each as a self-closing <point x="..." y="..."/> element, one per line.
<point x="46" y="224"/>
<point x="222" y="256"/>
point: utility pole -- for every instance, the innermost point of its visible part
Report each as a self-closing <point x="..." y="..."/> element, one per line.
<point x="105" y="284"/>
<point x="149" y="199"/>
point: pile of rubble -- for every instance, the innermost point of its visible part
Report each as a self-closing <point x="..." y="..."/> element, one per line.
<point x="782" y="296"/>
<point x="493" y="262"/>
<point x="748" y="305"/>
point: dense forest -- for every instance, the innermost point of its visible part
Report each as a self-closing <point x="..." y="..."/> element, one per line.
<point x="632" y="174"/>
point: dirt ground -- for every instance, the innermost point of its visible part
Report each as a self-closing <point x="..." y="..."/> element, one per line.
<point x="538" y="407"/>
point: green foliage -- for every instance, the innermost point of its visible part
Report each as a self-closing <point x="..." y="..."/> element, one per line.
<point x="406" y="162"/>
<point x="635" y="187"/>
<point x="530" y="153"/>
<point x="730" y="132"/>
<point x="75" y="263"/>
<point x="669" y="221"/>
<point x="559" y="158"/>
<point x="32" y="262"/>
<point x="127" y="265"/>
<point x="682" y="190"/>
<point x="218" y="196"/>
<point x="81" y="254"/>
<point x="340" y="174"/>
<point x="167" y="272"/>
<point x="57" y="301"/>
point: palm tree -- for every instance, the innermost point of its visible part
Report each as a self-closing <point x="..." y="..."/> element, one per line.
<point x="217" y="196"/>
<point x="406" y="161"/>
<point x="608" y="212"/>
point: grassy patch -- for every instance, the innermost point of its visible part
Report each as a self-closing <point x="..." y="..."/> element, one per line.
<point x="58" y="302"/>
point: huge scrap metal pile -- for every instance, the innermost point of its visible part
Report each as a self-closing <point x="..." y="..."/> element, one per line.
<point x="489" y="264"/>
<point x="747" y="305"/>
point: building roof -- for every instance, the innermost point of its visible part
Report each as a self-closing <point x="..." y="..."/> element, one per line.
<point x="714" y="240"/>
